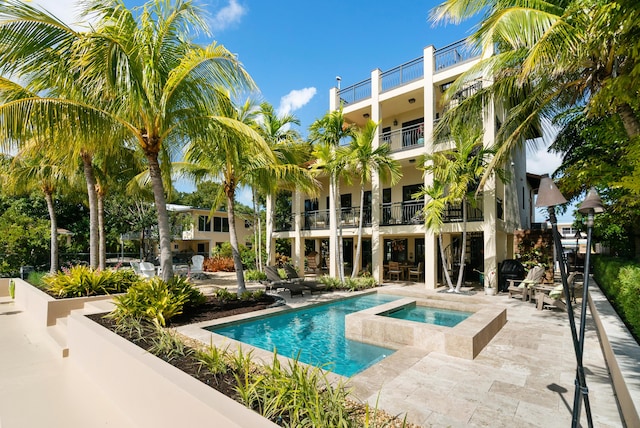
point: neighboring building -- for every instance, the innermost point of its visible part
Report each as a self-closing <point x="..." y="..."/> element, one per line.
<point x="206" y="232"/>
<point x="406" y="101"/>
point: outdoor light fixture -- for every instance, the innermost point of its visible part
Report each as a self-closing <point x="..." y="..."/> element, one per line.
<point x="412" y="100"/>
<point x="395" y="122"/>
<point x="578" y="237"/>
<point x="549" y="196"/>
<point x="366" y="115"/>
<point x="591" y="206"/>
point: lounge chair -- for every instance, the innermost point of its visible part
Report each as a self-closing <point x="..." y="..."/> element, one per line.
<point x="148" y="270"/>
<point x="196" y="263"/>
<point x="136" y="267"/>
<point x="522" y="288"/>
<point x="312" y="262"/>
<point x="394" y="270"/>
<point x="292" y="275"/>
<point x="275" y="281"/>
<point x="416" y="272"/>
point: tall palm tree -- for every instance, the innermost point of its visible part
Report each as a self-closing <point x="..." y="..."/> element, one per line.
<point x="34" y="169"/>
<point x="290" y="155"/>
<point x="229" y="153"/>
<point x="456" y="176"/>
<point x="363" y="161"/>
<point x="328" y="132"/>
<point x="551" y="56"/>
<point x="142" y="80"/>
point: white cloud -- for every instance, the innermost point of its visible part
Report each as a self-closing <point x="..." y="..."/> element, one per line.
<point x="228" y="16"/>
<point x="295" y="100"/>
<point x="539" y="161"/>
<point x="65" y="10"/>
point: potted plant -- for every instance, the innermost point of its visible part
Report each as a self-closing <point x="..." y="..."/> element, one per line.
<point x="489" y="286"/>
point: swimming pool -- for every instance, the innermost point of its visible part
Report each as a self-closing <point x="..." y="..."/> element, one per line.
<point x="429" y="315"/>
<point x="316" y="334"/>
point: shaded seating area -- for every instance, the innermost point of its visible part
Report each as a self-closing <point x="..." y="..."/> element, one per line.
<point x="523" y="288"/>
<point x="555" y="297"/>
<point x="394" y="271"/>
<point x="416" y="272"/>
<point x="292" y="275"/>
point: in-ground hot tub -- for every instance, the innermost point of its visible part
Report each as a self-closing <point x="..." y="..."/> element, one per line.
<point x="464" y="340"/>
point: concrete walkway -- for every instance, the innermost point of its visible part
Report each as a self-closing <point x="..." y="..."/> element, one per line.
<point x="523" y="378"/>
<point x="39" y="388"/>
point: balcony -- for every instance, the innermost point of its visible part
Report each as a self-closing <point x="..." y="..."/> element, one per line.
<point x="453" y="212"/>
<point x="314" y="220"/>
<point x="454" y="54"/>
<point x="406" y="138"/>
<point x="403" y="74"/>
<point x="409" y="212"/>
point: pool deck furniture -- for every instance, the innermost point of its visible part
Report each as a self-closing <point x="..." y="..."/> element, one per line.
<point x="274" y="281"/>
<point x="523" y="288"/>
<point x="395" y="271"/>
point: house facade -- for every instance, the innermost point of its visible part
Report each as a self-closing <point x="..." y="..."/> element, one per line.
<point x="406" y="102"/>
<point x="205" y="231"/>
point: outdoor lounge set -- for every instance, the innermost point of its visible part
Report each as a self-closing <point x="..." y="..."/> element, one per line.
<point x="293" y="282"/>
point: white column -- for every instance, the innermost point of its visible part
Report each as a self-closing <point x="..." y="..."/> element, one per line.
<point x="377" y="250"/>
<point x="297" y="249"/>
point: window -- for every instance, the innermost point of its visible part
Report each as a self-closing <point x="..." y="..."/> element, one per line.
<point x="220" y="224"/>
<point x="311" y="205"/>
<point x="204" y="224"/>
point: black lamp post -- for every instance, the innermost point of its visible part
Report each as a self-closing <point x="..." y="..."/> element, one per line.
<point x="590" y="206"/>
<point x="549" y="196"/>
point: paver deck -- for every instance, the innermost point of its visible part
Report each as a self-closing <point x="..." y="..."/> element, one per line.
<point x="524" y="378"/>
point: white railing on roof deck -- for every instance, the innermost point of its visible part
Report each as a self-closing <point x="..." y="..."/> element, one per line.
<point x="454" y="54"/>
<point x="354" y="93"/>
<point x="403" y="74"/>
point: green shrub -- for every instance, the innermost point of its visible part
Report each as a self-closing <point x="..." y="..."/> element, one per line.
<point x="167" y="345"/>
<point x="255" y="275"/>
<point x="79" y="280"/>
<point x="224" y="295"/>
<point x="330" y="282"/>
<point x="213" y="359"/>
<point x="155" y="300"/>
<point x="37" y="279"/>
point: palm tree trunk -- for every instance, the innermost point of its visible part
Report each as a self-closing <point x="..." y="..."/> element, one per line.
<point x="164" y="231"/>
<point x="87" y="164"/>
<point x="54" y="233"/>
<point x="269" y="243"/>
<point x="102" y="239"/>
<point x="444" y="262"/>
<point x="629" y="120"/>
<point x="356" y="261"/>
<point x="233" y="240"/>
<point x="464" y="245"/>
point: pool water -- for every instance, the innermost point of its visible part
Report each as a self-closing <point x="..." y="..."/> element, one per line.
<point x="429" y="315"/>
<point x="315" y="334"/>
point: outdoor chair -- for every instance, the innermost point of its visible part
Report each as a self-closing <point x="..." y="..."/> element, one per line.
<point x="394" y="270"/>
<point x="312" y="263"/>
<point x="416" y="272"/>
<point x="136" y="267"/>
<point x="147" y="269"/>
<point x="522" y="288"/>
<point x="292" y="275"/>
<point x="556" y="296"/>
<point x="275" y="281"/>
<point x="196" y="263"/>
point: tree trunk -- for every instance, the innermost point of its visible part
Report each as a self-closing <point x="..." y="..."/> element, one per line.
<point x="444" y="263"/>
<point x="269" y="234"/>
<point x="339" y="255"/>
<point x="354" y="273"/>
<point x="233" y="240"/>
<point x="54" y="233"/>
<point x="102" y="239"/>
<point x="87" y="164"/>
<point x="164" y="230"/>
<point x="629" y="120"/>
<point x="464" y="245"/>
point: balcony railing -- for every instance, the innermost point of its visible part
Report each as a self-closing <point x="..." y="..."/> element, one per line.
<point x="454" y="54"/>
<point x="350" y="217"/>
<point x="409" y="212"/>
<point x="453" y="212"/>
<point x="403" y="74"/>
<point x="284" y="223"/>
<point x="354" y="93"/>
<point x="316" y="219"/>
<point x="404" y="139"/>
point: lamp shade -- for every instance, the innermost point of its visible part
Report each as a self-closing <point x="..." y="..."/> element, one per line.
<point x="548" y="193"/>
<point x="592" y="203"/>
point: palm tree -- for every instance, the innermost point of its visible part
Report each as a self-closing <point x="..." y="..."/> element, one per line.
<point x="327" y="132"/>
<point x="33" y="169"/>
<point x="142" y="81"/>
<point x="456" y="175"/>
<point x="230" y="153"/>
<point x="363" y="161"/>
<point x="551" y="56"/>
<point x="290" y="155"/>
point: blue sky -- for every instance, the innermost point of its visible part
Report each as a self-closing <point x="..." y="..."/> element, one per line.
<point x="295" y="49"/>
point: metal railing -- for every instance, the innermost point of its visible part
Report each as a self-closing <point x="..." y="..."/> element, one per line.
<point x="404" y="139"/>
<point x="402" y="74"/>
<point x="354" y="93"/>
<point x="350" y="217"/>
<point x="454" y="54"/>
<point x="316" y="219"/>
<point x="453" y="212"/>
<point x="409" y="212"/>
